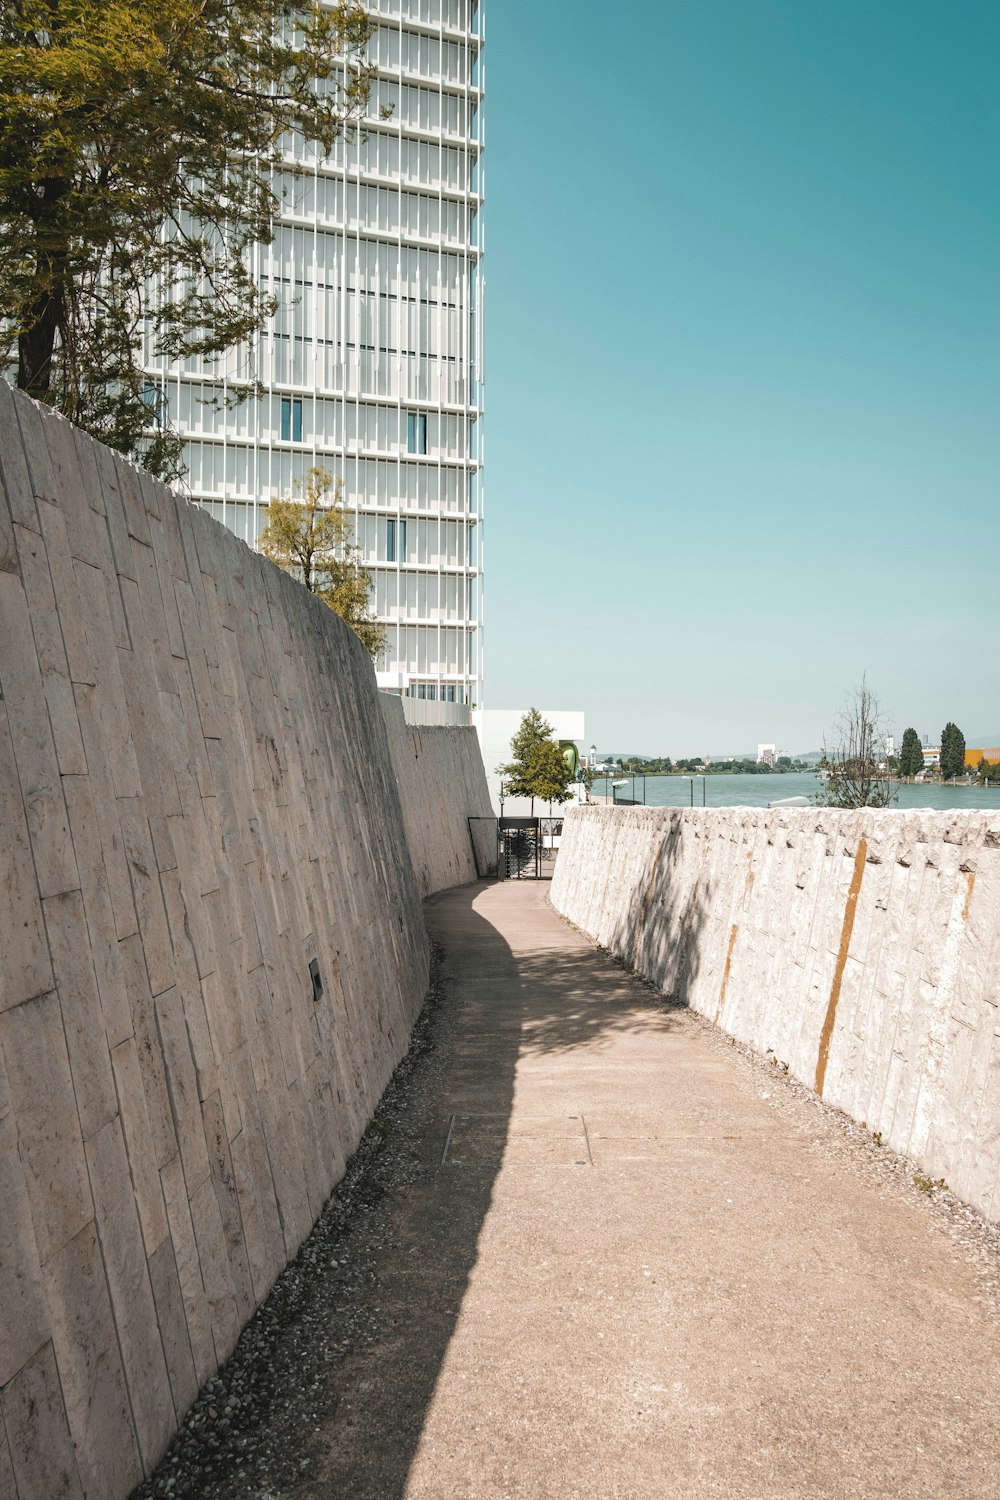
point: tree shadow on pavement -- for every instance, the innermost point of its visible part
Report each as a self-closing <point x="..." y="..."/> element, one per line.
<point x="424" y="1236"/>
<point x="660" y="932"/>
<point x="569" y="1004"/>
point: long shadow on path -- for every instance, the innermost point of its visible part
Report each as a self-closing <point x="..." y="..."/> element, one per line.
<point x="498" y="1006"/>
<point x="431" y="1221"/>
<point x="328" y="1392"/>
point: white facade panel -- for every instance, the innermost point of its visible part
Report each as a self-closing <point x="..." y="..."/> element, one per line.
<point x="372" y="363"/>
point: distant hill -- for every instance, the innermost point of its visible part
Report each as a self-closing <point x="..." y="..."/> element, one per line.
<point x="810" y="756"/>
<point x="982" y="741"/>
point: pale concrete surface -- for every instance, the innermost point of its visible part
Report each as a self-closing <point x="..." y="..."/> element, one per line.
<point x="197" y="801"/>
<point x="629" y="1270"/>
<point x="862" y="948"/>
<point x="442" y="784"/>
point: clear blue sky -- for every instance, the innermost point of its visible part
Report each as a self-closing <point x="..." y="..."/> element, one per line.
<point x="743" y="366"/>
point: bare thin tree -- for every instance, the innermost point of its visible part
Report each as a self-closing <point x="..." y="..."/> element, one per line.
<point x="857" y="768"/>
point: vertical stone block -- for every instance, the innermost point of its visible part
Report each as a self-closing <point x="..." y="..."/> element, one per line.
<point x="224" y="1183"/>
<point x="40" y="472"/>
<point x="24" y="1315"/>
<point x="98" y="908"/>
<point x="31" y="738"/>
<point x="255" y="1186"/>
<point x="86" y="457"/>
<point x="83" y="1017"/>
<point x="110" y="474"/>
<point x="139" y="1140"/>
<point x="173" y="1327"/>
<point x="42" y="1458"/>
<point x="131" y="495"/>
<point x="51" y="653"/>
<point x="147" y="894"/>
<point x="8" y="1490"/>
<point x="105" y="701"/>
<point x="14" y="464"/>
<point x="215" y="1270"/>
<point x="131" y="1295"/>
<point x="48" y="1126"/>
<point x="149" y="1050"/>
<point x="196" y="1310"/>
<point x="9" y="561"/>
<point x="182" y="1082"/>
<point x="64" y="581"/>
<point x="106" y="819"/>
<point x="25" y="966"/>
<point x="81" y="523"/>
<point x="286" y="1165"/>
<point x="90" y="1368"/>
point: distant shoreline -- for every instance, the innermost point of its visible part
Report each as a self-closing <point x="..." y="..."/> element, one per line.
<point x="772" y="771"/>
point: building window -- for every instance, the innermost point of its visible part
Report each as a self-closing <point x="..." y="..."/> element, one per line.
<point x="291" y="419"/>
<point x="416" y="432"/>
<point x="154" y="401"/>
<point x="395" y="541"/>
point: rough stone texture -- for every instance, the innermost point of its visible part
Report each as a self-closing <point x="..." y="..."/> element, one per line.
<point x="442" y="784"/>
<point x="861" y="949"/>
<point x="196" y="800"/>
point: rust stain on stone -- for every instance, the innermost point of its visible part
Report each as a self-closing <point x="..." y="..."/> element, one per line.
<point x="838" y="974"/>
<point x="970" y="876"/>
<point x="725" y="973"/>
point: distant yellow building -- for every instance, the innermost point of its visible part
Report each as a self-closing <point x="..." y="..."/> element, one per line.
<point x="973" y="757"/>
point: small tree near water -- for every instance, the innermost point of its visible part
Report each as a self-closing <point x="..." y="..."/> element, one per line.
<point x="312" y="539"/>
<point x="538" y="767"/>
<point x="858" y="765"/>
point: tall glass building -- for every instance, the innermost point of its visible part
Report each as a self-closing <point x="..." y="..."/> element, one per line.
<point x="372" y="365"/>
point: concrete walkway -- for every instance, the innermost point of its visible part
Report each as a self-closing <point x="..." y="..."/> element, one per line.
<point x="636" y="1265"/>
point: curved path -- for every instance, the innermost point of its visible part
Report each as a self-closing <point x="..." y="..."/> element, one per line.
<point x="636" y="1264"/>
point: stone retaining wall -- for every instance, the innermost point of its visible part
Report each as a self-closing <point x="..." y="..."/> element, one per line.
<point x="862" y="949"/>
<point x="442" y="784"/>
<point x="197" y="803"/>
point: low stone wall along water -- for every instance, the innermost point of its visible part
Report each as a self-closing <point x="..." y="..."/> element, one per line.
<point x="862" y="949"/>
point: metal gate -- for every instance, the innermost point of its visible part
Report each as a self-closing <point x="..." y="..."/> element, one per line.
<point x="520" y="849"/>
<point x="527" y="847"/>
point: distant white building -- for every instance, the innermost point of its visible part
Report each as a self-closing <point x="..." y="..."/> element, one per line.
<point x="496" y="728"/>
<point x="767" y="754"/>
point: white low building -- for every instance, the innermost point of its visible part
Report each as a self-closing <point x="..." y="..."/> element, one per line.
<point x="497" y="727"/>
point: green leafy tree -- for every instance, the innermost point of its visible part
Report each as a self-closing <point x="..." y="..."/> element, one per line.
<point x="139" y="149"/>
<point x="911" y="755"/>
<point x="952" y="751"/>
<point x="857" y="768"/>
<point x="312" y="539"/>
<point x="988" y="771"/>
<point x="538" y="767"/>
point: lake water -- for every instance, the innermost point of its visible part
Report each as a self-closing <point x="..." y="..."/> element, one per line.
<point x="758" y="791"/>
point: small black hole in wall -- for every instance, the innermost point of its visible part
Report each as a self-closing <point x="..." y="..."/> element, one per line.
<point x="317" y="983"/>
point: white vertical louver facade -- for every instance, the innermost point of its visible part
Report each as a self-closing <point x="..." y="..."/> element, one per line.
<point x="372" y="365"/>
